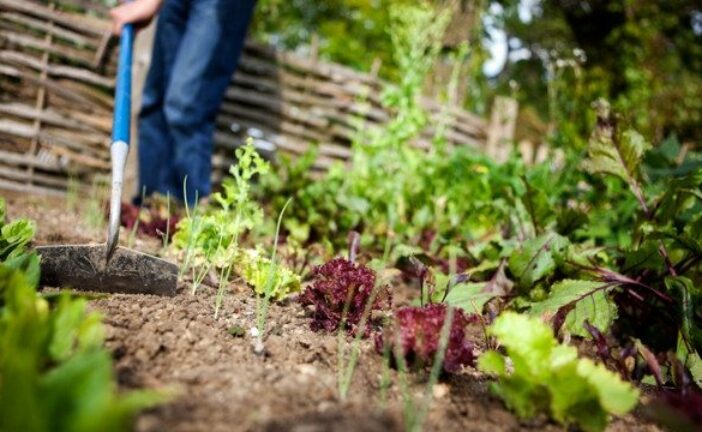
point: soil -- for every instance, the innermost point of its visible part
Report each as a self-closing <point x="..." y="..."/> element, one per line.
<point x="220" y="384"/>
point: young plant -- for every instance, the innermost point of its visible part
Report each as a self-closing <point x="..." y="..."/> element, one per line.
<point x="192" y="233"/>
<point x="346" y="364"/>
<point x="255" y="268"/>
<point x="414" y="415"/>
<point x="94" y="210"/>
<point x="212" y="239"/>
<point x="340" y="292"/>
<point x="15" y="235"/>
<point x="279" y="281"/>
<point x="72" y="190"/>
<point x="55" y="374"/>
<point x="417" y="330"/>
<point x="548" y="377"/>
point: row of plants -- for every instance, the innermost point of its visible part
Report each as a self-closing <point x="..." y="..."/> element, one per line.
<point x="55" y="373"/>
<point x="586" y="246"/>
<point x="595" y="245"/>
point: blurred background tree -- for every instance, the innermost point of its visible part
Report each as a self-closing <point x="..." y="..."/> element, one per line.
<point x="644" y="56"/>
<point x="350" y="32"/>
<point x="355" y="33"/>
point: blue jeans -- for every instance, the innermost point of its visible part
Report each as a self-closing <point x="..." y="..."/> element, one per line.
<point x="195" y="53"/>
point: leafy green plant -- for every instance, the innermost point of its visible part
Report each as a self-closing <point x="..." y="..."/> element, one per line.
<point x="426" y="198"/>
<point x="15" y="235"/>
<point x="211" y="239"/>
<point x="651" y="270"/>
<point x="55" y="374"/>
<point x="548" y="377"/>
<point x="255" y="268"/>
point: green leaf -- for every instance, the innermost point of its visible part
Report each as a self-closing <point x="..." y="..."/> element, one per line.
<point x="525" y="341"/>
<point x="615" y="396"/>
<point x="618" y="157"/>
<point x="588" y="300"/>
<point x="598" y="309"/>
<point x="471" y="297"/>
<point x="66" y="320"/>
<point x="28" y="264"/>
<point x="690" y="359"/>
<point x="255" y="269"/>
<point x="14" y="237"/>
<point x="493" y="363"/>
<point x="80" y="395"/>
<point x="536" y="260"/>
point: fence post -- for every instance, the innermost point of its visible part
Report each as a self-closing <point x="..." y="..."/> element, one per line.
<point x="503" y="120"/>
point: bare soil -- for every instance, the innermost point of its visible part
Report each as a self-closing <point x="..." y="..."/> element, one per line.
<point x="220" y="384"/>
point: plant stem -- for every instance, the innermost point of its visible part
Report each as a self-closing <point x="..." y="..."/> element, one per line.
<point x="263" y="303"/>
<point x="435" y="370"/>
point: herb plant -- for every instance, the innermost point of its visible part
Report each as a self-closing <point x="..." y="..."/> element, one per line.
<point x="212" y="239"/>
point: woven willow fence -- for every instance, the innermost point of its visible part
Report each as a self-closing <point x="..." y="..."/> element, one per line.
<point x="57" y="68"/>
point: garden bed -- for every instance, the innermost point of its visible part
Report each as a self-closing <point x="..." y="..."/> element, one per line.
<point x="221" y="384"/>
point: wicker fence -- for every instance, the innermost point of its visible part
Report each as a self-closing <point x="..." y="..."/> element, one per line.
<point x="57" y="68"/>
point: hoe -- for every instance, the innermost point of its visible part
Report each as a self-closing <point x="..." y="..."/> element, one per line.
<point x="111" y="268"/>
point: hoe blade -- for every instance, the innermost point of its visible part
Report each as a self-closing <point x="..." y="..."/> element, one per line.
<point x="84" y="268"/>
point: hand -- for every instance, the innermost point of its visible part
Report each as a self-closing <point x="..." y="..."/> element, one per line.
<point x="138" y="12"/>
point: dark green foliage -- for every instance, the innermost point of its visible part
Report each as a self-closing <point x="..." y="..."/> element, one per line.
<point x="645" y="56"/>
<point x="55" y="374"/>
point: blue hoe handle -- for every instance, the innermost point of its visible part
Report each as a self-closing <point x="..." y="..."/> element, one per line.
<point x="120" y="134"/>
<point x="123" y="90"/>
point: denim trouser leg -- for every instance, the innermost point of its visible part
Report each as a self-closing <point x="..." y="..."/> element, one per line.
<point x="156" y="146"/>
<point x="206" y="49"/>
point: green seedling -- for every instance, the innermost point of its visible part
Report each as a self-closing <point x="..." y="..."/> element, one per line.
<point x="135" y="227"/>
<point x="263" y="302"/>
<point x="347" y="367"/>
<point x="72" y="189"/>
<point x="94" y="214"/>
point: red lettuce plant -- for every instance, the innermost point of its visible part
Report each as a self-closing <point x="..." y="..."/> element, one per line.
<point x="417" y="330"/>
<point x="341" y="284"/>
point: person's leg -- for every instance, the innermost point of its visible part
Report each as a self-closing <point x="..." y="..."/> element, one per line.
<point x="154" y="138"/>
<point x="208" y="55"/>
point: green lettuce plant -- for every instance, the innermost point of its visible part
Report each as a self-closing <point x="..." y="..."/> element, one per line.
<point x="15" y="235"/>
<point x="539" y="375"/>
<point x="254" y="267"/>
